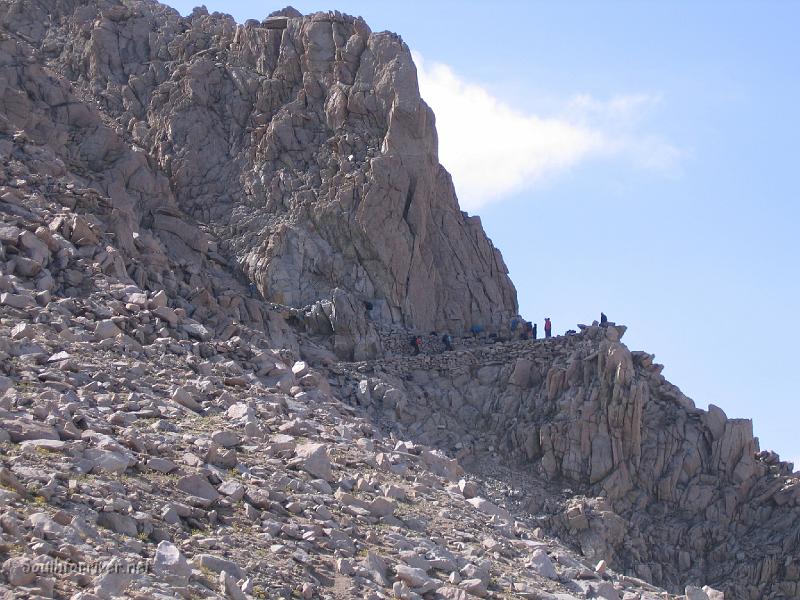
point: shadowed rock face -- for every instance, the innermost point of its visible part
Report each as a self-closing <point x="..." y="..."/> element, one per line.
<point x="302" y="143"/>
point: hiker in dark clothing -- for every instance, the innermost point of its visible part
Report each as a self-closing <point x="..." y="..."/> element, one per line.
<point x="548" y="327"/>
<point x="253" y="290"/>
<point x="603" y="320"/>
<point x="533" y="333"/>
<point x="447" y="340"/>
<point x="476" y="329"/>
<point x="416" y="343"/>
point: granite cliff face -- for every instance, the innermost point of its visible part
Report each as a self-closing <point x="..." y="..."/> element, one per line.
<point x="301" y="144"/>
<point x="282" y="442"/>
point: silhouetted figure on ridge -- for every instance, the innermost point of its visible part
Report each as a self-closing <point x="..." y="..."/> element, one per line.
<point x="548" y="327"/>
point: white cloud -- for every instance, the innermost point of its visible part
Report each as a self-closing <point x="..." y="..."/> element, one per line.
<point x="493" y="150"/>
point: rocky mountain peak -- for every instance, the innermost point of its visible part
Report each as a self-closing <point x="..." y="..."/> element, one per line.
<point x="300" y="143"/>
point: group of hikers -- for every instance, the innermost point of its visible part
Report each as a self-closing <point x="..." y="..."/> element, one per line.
<point x="519" y="329"/>
<point x="447" y="342"/>
<point x="528" y="330"/>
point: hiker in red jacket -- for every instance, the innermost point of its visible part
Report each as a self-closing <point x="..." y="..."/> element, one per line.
<point x="548" y="327"/>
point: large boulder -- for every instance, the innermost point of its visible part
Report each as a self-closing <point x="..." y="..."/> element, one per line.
<point x="313" y="458"/>
<point x="20" y="429"/>
<point x="170" y="563"/>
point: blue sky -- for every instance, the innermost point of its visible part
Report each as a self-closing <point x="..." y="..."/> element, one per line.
<point x="636" y="158"/>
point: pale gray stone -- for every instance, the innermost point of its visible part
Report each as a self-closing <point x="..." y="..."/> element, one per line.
<point x="169" y="561"/>
<point x="314" y="459"/>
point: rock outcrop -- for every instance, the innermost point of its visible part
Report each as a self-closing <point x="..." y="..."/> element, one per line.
<point x="216" y="240"/>
<point x="671" y="492"/>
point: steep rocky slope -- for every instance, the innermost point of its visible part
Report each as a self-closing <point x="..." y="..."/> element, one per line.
<point x="199" y="469"/>
<point x="280" y="442"/>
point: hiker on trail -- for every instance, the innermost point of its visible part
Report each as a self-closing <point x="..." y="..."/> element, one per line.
<point x="253" y="290"/>
<point x="447" y="340"/>
<point x="548" y="327"/>
<point x="533" y="333"/>
<point x="603" y="320"/>
<point x="416" y="343"/>
<point x="476" y="329"/>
